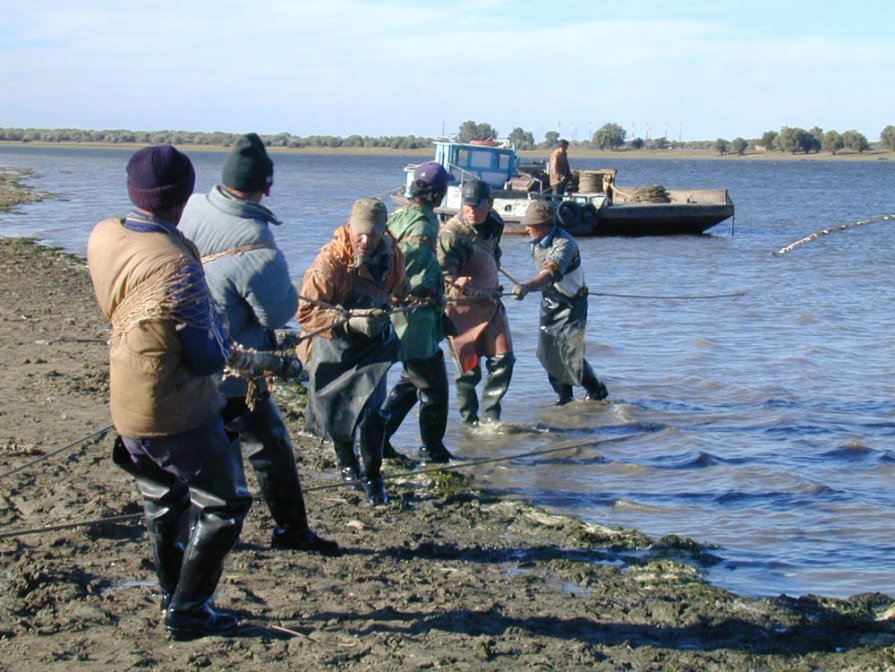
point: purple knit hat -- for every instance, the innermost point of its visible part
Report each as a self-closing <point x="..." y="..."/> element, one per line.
<point x="159" y="178"/>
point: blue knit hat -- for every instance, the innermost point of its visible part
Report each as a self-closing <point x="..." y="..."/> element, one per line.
<point x="159" y="178"/>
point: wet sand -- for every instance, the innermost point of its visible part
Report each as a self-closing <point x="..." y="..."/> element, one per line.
<point x="443" y="577"/>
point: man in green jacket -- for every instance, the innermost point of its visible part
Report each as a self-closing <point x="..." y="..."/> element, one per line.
<point x="420" y="329"/>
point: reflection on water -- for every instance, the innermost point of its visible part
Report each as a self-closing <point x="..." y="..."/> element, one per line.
<point x="762" y="424"/>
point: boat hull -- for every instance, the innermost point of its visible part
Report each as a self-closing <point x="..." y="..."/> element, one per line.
<point x="660" y="219"/>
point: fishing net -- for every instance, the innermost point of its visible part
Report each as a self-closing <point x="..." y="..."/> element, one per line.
<point x="654" y="193"/>
<point x="177" y="294"/>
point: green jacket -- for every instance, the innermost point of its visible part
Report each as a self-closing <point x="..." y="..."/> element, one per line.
<point x="415" y="227"/>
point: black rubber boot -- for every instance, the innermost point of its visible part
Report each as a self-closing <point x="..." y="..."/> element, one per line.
<point x="191" y="613"/>
<point x="266" y="444"/>
<point x="596" y="390"/>
<point x="398" y="404"/>
<point x="564" y="393"/>
<point x="500" y="373"/>
<point x="372" y="440"/>
<point x="306" y="539"/>
<point x="467" y="401"/>
<point x="349" y="469"/>
<point x="164" y="531"/>
<point x="166" y="508"/>
<point x="435" y="454"/>
<point x="433" y="396"/>
<point x="400" y="400"/>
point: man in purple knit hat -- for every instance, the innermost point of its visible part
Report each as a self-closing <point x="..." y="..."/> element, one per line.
<point x="167" y="349"/>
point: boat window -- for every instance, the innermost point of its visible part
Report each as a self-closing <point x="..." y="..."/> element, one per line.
<point x="505" y="162"/>
<point x="480" y="160"/>
<point x="463" y="158"/>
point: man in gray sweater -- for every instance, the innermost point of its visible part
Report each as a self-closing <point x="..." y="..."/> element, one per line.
<point x="249" y="279"/>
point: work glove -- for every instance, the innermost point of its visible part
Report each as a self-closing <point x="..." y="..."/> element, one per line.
<point x="259" y="362"/>
<point x="286" y="339"/>
<point x="368" y="323"/>
<point x="519" y="292"/>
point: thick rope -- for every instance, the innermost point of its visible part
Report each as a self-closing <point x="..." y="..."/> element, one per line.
<point x="648" y="296"/>
<point x="102" y="431"/>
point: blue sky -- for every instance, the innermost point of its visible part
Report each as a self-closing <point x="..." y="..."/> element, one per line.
<point x="685" y="69"/>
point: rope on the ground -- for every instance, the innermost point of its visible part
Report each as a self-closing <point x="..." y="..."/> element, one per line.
<point x="68" y="526"/>
<point x="339" y="484"/>
<point x="817" y="234"/>
<point x="102" y="431"/>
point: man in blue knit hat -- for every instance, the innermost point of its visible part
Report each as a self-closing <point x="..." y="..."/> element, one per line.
<point x="167" y="347"/>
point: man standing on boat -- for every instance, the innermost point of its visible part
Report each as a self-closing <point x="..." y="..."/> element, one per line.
<point x="560" y="173"/>
<point x="469" y="254"/>
<point x="345" y="302"/>
<point x="421" y="330"/>
<point x="249" y="279"/>
<point x="168" y="346"/>
<point x="560" y="279"/>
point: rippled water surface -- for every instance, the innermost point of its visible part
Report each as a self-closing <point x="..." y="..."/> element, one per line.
<point x="763" y="424"/>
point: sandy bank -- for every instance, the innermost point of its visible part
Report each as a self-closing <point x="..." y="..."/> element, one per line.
<point x="444" y="577"/>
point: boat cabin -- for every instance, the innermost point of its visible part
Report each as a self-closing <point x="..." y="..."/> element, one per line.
<point x="491" y="161"/>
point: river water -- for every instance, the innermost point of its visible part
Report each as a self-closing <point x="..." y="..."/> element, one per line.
<point x="763" y="425"/>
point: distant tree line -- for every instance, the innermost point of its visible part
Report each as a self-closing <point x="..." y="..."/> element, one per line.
<point x="610" y="136"/>
<point x="213" y="139"/>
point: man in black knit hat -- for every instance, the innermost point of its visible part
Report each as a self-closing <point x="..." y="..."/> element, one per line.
<point x="249" y="279"/>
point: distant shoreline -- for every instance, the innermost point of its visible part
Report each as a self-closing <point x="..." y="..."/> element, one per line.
<point x="579" y="153"/>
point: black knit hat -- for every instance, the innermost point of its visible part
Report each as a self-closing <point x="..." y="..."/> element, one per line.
<point x="159" y="178"/>
<point x="248" y="168"/>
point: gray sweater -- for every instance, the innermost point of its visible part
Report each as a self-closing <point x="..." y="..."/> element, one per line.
<point x="248" y="276"/>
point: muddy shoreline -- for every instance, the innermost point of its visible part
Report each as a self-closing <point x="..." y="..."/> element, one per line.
<point x="444" y="577"/>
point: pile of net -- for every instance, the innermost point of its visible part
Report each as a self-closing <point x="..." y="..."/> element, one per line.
<point x="654" y="193"/>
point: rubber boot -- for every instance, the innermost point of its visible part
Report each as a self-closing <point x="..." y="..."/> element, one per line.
<point x="164" y="526"/>
<point x="191" y="614"/>
<point x="596" y="390"/>
<point x="349" y="469"/>
<point x="220" y="495"/>
<point x="467" y="401"/>
<point x="433" y="419"/>
<point x="372" y="439"/>
<point x="166" y="507"/>
<point x="266" y="444"/>
<point x="433" y="396"/>
<point x="500" y="373"/>
<point x="564" y="393"/>
<point x="398" y="404"/>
